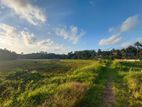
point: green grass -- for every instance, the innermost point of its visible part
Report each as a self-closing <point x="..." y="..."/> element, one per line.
<point x="128" y="84"/>
<point x="69" y="83"/>
<point x="58" y="83"/>
<point x="94" y="96"/>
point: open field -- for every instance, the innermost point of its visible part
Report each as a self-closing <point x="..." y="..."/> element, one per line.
<point x="70" y="53"/>
<point x="70" y="83"/>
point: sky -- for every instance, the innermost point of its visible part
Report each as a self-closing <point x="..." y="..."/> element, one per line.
<point x="61" y="26"/>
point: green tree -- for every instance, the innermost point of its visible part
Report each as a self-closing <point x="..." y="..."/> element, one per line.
<point x="138" y="45"/>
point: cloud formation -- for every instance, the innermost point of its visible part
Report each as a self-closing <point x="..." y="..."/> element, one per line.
<point x="7" y="30"/>
<point x="127" y="25"/>
<point x="111" y="40"/>
<point x="48" y="44"/>
<point x="23" y="41"/>
<point x="72" y="34"/>
<point x="28" y="38"/>
<point x="25" y="10"/>
<point x="127" y="43"/>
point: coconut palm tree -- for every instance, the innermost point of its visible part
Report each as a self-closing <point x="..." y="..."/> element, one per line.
<point x="138" y="45"/>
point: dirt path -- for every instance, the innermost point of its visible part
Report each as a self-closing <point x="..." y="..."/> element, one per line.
<point x="108" y="95"/>
<point x="101" y="93"/>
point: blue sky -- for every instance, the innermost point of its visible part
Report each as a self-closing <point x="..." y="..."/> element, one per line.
<point x="61" y="26"/>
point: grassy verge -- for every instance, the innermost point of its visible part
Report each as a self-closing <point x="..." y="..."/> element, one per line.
<point x="128" y="84"/>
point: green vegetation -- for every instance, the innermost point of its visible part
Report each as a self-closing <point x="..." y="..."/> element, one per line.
<point x="46" y="83"/>
<point x="128" y="83"/>
<point x="69" y="83"/>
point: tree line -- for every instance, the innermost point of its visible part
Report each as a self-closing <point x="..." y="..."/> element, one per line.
<point x="131" y="52"/>
<point x="7" y="55"/>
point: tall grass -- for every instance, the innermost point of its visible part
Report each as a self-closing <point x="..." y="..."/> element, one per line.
<point x="25" y="88"/>
<point x="128" y="85"/>
<point x="69" y="83"/>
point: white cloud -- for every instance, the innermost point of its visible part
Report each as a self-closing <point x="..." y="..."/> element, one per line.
<point x="71" y="34"/>
<point x="7" y="30"/>
<point x="111" y="40"/>
<point x="28" y="38"/>
<point x="46" y="42"/>
<point x="129" y="23"/>
<point x="22" y="41"/>
<point x="26" y="10"/>
<point x="52" y="46"/>
<point x="126" y="26"/>
<point x="126" y="44"/>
